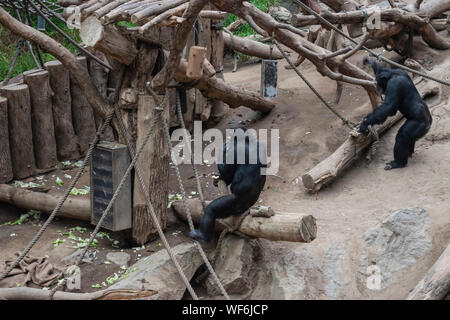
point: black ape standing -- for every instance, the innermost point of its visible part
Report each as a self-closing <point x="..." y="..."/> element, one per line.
<point x="245" y="178"/>
<point x="402" y="95"/>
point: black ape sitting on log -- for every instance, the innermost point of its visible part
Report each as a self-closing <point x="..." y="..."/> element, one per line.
<point x="400" y="94"/>
<point x="244" y="175"/>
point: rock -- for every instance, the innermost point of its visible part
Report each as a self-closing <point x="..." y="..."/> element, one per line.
<point x="157" y="272"/>
<point x="89" y="257"/>
<point x="440" y="128"/>
<point x="234" y="266"/>
<point x="280" y="13"/>
<point x="296" y="276"/>
<point x="119" y="258"/>
<point x="333" y="270"/>
<point x="398" y="243"/>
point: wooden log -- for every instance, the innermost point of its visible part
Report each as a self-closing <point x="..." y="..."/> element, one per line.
<point x="107" y="39"/>
<point x="218" y="89"/>
<point x="25" y="293"/>
<point x="212" y="14"/>
<point x="217" y="49"/>
<point x="20" y="130"/>
<point x="66" y="140"/>
<point x="155" y="9"/>
<point x="250" y="47"/>
<point x="282" y="226"/>
<point x="73" y="208"/>
<point x="154" y="165"/>
<point x="6" y="173"/>
<point x="331" y="167"/>
<point x="42" y="118"/>
<point x="435" y="285"/>
<point x="206" y="113"/>
<point x="195" y="62"/>
<point x="83" y="114"/>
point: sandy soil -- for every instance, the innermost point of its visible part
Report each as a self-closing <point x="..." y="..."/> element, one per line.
<point x="362" y="197"/>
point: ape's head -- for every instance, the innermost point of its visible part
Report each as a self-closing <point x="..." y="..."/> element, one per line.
<point x="382" y="74"/>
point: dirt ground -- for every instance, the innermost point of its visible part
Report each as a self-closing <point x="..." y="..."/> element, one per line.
<point x="309" y="132"/>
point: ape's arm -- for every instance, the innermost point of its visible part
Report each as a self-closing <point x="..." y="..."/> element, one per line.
<point x="389" y="106"/>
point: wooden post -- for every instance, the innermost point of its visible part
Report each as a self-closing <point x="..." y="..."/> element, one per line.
<point x="216" y="59"/>
<point x="6" y="173"/>
<point x="20" y="130"/>
<point x="154" y="165"/>
<point x="83" y="114"/>
<point x="190" y="94"/>
<point x="42" y="118"/>
<point x="66" y="140"/>
<point x="195" y="64"/>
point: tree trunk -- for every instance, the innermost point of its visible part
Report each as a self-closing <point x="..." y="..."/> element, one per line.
<point x="107" y="294"/>
<point x="108" y="40"/>
<point x="83" y="114"/>
<point x="282" y="226"/>
<point x="154" y="165"/>
<point x="20" y="130"/>
<point x="6" y="173"/>
<point x="66" y="140"/>
<point x="73" y="208"/>
<point x="250" y="47"/>
<point x="435" y="285"/>
<point x="331" y="167"/>
<point x="42" y="118"/>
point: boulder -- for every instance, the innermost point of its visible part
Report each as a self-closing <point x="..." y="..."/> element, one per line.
<point x="280" y="14"/>
<point x="119" y="258"/>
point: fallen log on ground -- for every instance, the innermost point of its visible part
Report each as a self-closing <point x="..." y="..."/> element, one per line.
<point x="331" y="167"/>
<point x="250" y="47"/>
<point x="282" y="226"/>
<point x="436" y="283"/>
<point x="73" y="207"/>
<point x="107" y="294"/>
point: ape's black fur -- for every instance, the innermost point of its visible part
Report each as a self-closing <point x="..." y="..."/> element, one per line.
<point x="246" y="181"/>
<point x="400" y="94"/>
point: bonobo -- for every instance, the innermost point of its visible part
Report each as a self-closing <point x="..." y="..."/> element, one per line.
<point x="241" y="167"/>
<point x="400" y="94"/>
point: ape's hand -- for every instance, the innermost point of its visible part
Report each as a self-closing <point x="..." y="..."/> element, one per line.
<point x="363" y="128"/>
<point x="216" y="180"/>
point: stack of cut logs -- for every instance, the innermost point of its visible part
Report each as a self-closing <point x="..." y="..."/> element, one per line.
<point x="45" y="118"/>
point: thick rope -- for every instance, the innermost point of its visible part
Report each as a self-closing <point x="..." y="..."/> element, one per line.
<point x="378" y="56"/>
<point x="344" y="120"/>
<point x="62" y="200"/>
<point x="186" y="206"/>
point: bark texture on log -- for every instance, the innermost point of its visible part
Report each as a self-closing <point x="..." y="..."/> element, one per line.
<point x="6" y="173"/>
<point x="435" y="285"/>
<point x="74" y="207"/>
<point x="66" y="140"/>
<point x="250" y="47"/>
<point x="217" y="50"/>
<point x="42" y="118"/>
<point x="20" y="130"/>
<point x="293" y="227"/>
<point x="154" y="165"/>
<point x="83" y="114"/>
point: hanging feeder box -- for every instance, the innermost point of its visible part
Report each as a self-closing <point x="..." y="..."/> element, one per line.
<point x="269" y="77"/>
<point x="195" y="64"/>
<point x="40" y="23"/>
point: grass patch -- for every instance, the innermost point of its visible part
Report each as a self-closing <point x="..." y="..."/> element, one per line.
<point x="245" y="30"/>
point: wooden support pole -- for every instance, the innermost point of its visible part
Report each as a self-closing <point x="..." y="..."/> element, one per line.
<point x="435" y="285"/>
<point x="66" y="140"/>
<point x="250" y="47"/>
<point x="154" y="165"/>
<point x="83" y="114"/>
<point x="6" y="173"/>
<point x="282" y="226"/>
<point x="42" y="118"/>
<point x="20" y="130"/>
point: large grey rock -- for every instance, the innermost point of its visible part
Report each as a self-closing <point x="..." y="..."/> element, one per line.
<point x="334" y="270"/>
<point x="119" y="258"/>
<point x="157" y="272"/>
<point x="89" y="257"/>
<point x="398" y="243"/>
<point x="296" y="276"/>
<point x="280" y="13"/>
<point x="234" y="266"/>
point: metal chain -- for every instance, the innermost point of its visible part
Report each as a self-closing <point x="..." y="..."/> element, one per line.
<point x="115" y="195"/>
<point x="143" y="188"/>
<point x="378" y="56"/>
<point x="186" y="206"/>
<point x="62" y="200"/>
<point x="344" y="120"/>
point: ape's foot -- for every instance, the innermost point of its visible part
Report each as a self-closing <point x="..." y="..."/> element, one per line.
<point x="197" y="235"/>
<point x="393" y="165"/>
